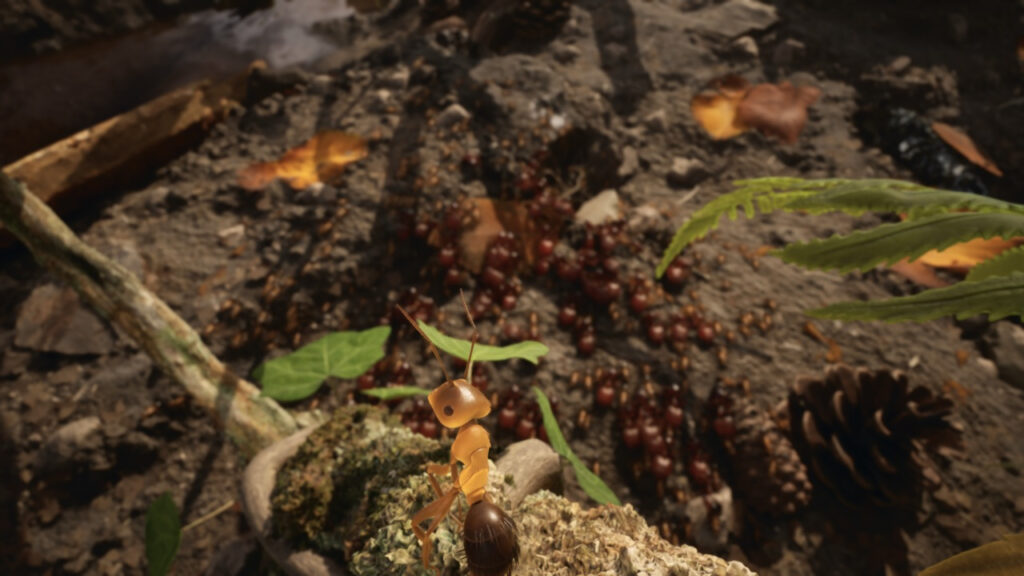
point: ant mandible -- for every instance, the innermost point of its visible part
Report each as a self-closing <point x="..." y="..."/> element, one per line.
<point x="488" y="534"/>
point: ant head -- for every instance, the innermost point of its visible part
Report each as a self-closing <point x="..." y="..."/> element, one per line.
<point x="457" y="402"/>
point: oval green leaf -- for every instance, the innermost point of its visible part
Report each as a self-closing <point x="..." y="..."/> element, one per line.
<point x="163" y="534"/>
<point x="529" y="350"/>
<point x="342" y="354"/>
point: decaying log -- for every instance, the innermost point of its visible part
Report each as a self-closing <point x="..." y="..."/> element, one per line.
<point x="69" y="172"/>
<point x="251" y="421"/>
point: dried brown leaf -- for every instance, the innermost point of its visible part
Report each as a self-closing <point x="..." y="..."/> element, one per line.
<point x="920" y="273"/>
<point x="777" y="110"/>
<point x="494" y="217"/>
<point x="963" y="144"/>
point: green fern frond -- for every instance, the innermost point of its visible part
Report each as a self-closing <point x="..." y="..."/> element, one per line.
<point x="996" y="296"/>
<point x="890" y="243"/>
<point x="1003" y="264"/>
<point x="759" y="193"/>
<point x="881" y="195"/>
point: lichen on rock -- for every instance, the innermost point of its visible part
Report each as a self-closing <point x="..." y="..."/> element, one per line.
<point x="332" y="495"/>
<point x="351" y="489"/>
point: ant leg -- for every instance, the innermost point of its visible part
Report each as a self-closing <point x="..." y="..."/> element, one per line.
<point x="435" y="511"/>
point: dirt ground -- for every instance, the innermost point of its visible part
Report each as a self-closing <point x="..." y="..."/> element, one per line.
<point x="91" y="433"/>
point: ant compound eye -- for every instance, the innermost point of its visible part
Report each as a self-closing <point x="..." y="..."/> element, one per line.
<point x="448" y="411"/>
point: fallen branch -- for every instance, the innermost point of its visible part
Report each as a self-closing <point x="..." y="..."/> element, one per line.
<point x="250" y="420"/>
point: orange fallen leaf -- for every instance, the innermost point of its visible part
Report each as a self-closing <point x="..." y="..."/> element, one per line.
<point x="963" y="144"/>
<point x="961" y="356"/>
<point x="715" y="109"/>
<point x="965" y="255"/>
<point x="732" y="107"/>
<point x="321" y="159"/>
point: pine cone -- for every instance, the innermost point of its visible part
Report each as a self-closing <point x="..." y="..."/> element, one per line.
<point x="767" y="472"/>
<point x="859" y="430"/>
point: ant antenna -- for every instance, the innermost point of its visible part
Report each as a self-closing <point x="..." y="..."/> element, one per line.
<point x="433" y="349"/>
<point x="472" y="342"/>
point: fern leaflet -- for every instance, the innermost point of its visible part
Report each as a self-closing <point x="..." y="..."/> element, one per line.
<point x="910" y="239"/>
<point x="1003" y="264"/>
<point x="997" y="296"/>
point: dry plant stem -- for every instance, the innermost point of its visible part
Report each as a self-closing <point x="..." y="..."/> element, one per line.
<point x="251" y="421"/>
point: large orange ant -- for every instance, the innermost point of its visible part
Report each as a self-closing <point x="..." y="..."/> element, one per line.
<point x="488" y="534"/>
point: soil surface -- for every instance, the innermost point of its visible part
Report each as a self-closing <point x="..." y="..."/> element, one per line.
<point x="91" y="433"/>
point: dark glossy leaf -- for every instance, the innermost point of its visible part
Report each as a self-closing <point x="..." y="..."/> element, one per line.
<point x="590" y="482"/>
<point x="1002" y="558"/>
<point x="529" y="350"/>
<point x="341" y="354"/>
<point x="163" y="534"/>
<point x="395" y="392"/>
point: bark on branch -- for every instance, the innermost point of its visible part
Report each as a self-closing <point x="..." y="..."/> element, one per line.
<point x="250" y="420"/>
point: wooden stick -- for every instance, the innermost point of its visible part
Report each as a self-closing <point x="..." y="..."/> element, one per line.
<point x="250" y="420"/>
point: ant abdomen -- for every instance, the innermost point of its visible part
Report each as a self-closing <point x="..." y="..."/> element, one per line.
<point x="490" y="540"/>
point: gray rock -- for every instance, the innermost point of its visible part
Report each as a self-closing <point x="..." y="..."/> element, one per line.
<point x="687" y="172"/>
<point x="451" y="116"/>
<point x="705" y="535"/>
<point x="630" y="162"/>
<point x="566" y="53"/>
<point x="1008" y="353"/>
<point x="656" y="121"/>
<point x="736" y="18"/>
<point x="52" y="319"/>
<point x="397" y="80"/>
<point x="77" y="443"/>
<point x="747" y="46"/>
<point x="605" y="207"/>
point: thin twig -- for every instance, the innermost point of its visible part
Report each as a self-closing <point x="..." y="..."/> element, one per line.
<point x="206" y="518"/>
<point x="249" y="419"/>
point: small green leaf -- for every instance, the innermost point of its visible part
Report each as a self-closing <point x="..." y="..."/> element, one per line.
<point x="395" y="392"/>
<point x="1002" y="558"/>
<point x="341" y="354"/>
<point x="528" y="350"/>
<point x="590" y="482"/>
<point x="996" y="296"/>
<point x="555" y="437"/>
<point x="1003" y="264"/>
<point x="909" y="239"/>
<point x="163" y="534"/>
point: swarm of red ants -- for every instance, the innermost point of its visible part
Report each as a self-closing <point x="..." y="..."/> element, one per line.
<point x="853" y="432"/>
